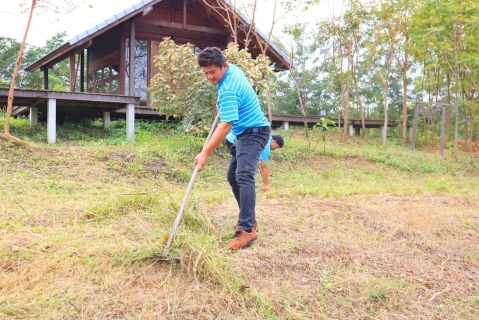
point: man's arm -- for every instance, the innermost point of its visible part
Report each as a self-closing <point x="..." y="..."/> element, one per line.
<point x="218" y="137"/>
<point x="264" y="174"/>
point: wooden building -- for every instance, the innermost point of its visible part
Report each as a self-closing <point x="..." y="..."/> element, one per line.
<point x="103" y="62"/>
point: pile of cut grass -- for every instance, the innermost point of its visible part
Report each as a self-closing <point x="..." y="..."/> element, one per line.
<point x="355" y="232"/>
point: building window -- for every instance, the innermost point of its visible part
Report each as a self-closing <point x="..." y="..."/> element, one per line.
<point x="141" y="70"/>
<point x="104" y="80"/>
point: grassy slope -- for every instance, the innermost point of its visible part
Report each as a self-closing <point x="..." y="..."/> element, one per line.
<point x="356" y="233"/>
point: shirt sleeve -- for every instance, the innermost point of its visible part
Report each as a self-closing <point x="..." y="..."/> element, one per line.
<point x="265" y="154"/>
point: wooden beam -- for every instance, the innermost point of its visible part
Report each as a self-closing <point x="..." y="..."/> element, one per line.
<point x="175" y="25"/>
<point x="45" y="79"/>
<point x="82" y="46"/>
<point x="37" y="103"/>
<point x="147" y="10"/>
<point x="59" y="58"/>
<point x="72" y="71"/>
<point x="184" y="13"/>
<point x="172" y="10"/>
<point x="82" y="71"/>
<point x="131" y="90"/>
<point x="122" y="67"/>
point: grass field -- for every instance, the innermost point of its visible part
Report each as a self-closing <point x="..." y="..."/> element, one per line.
<point x="355" y="232"/>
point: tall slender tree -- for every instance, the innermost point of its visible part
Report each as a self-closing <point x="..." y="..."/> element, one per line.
<point x="42" y="4"/>
<point x="383" y="49"/>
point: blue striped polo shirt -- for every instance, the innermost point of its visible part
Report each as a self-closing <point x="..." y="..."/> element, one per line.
<point x="267" y="149"/>
<point x="238" y="103"/>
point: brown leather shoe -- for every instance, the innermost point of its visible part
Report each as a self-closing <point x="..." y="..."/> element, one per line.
<point x="255" y="226"/>
<point x="243" y="239"/>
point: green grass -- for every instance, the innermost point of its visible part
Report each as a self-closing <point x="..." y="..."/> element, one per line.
<point x="356" y="232"/>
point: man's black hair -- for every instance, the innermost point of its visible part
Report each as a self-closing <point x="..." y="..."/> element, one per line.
<point x="211" y="56"/>
<point x="279" y="140"/>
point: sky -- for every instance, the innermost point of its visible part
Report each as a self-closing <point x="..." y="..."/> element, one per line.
<point x="45" y="24"/>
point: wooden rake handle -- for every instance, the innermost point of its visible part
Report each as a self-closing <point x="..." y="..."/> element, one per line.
<point x="187" y="194"/>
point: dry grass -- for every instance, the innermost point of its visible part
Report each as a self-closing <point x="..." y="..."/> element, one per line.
<point x="384" y="257"/>
<point x="340" y="238"/>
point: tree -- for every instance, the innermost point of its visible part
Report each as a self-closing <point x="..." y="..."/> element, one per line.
<point x="382" y="49"/>
<point x="356" y="16"/>
<point x="58" y="77"/>
<point x="301" y="75"/>
<point x="264" y="45"/>
<point x="404" y="17"/>
<point x="45" y="4"/>
<point x="444" y="38"/>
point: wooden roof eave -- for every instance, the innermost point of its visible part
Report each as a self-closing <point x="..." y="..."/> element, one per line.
<point x="65" y="50"/>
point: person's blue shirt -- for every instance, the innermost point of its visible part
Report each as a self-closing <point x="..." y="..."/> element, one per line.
<point x="267" y="149"/>
<point x="238" y="103"/>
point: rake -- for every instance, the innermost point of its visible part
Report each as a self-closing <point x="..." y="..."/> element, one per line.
<point x="164" y="255"/>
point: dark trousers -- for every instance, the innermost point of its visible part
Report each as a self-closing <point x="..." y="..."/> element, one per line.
<point x="242" y="169"/>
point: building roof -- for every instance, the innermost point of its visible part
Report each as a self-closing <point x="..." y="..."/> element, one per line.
<point x="84" y="40"/>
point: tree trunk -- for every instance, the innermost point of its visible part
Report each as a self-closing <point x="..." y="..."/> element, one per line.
<point x="341" y="90"/>
<point x="17" y="142"/>
<point x="298" y="91"/>
<point x="346" y="100"/>
<point x="404" y="105"/>
<point x="448" y="108"/>
<point x="466" y="127"/>
<point x="6" y="130"/>
<point x="360" y="102"/>
<point x="386" y="105"/>
<point x="270" y="112"/>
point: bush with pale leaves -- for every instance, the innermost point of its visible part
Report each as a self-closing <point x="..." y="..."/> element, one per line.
<point x="180" y="88"/>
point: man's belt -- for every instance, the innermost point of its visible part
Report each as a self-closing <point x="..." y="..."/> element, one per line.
<point x="251" y="130"/>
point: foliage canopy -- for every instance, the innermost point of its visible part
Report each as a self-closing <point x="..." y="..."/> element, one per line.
<point x="181" y="90"/>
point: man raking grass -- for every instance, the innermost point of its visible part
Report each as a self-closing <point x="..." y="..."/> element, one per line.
<point x="240" y="113"/>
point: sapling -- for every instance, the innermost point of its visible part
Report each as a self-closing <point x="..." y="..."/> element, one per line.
<point x="323" y="128"/>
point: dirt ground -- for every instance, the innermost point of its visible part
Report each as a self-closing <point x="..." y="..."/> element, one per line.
<point x="382" y="256"/>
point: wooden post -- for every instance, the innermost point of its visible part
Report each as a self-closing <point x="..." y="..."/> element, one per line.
<point x="172" y="10"/>
<point x="184" y="13"/>
<point x="82" y="72"/>
<point x="131" y="87"/>
<point x="414" y="128"/>
<point x="72" y="72"/>
<point x="45" y="78"/>
<point x="122" y="69"/>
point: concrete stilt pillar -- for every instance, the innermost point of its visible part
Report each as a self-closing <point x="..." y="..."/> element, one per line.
<point x="409" y="131"/>
<point x="52" y="120"/>
<point x="34" y="115"/>
<point x="381" y="131"/>
<point x="351" y="130"/>
<point x="106" y="120"/>
<point x="286" y="125"/>
<point x="130" y="122"/>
